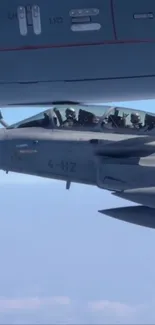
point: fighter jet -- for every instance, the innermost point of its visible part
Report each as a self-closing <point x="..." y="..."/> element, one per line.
<point x="90" y="51"/>
<point x="112" y="148"/>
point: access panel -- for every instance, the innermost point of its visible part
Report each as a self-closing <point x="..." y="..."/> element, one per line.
<point x="134" y="20"/>
<point x="53" y="40"/>
<point x="54" y="23"/>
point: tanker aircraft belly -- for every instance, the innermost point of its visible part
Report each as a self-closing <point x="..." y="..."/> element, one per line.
<point x="112" y="148"/>
<point x="81" y="51"/>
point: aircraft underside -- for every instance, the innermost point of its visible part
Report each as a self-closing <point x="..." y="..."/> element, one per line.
<point x="89" y="51"/>
<point x="129" y="182"/>
<point x="133" y="181"/>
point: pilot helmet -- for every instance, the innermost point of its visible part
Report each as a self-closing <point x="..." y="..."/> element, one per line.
<point x="135" y="118"/>
<point x="70" y="113"/>
<point x="95" y="119"/>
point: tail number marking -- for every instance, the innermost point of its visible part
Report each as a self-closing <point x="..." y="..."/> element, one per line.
<point x="65" y="166"/>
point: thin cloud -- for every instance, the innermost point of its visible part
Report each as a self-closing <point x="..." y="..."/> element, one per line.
<point x="117" y="308"/>
<point x="63" y="310"/>
<point x="32" y="303"/>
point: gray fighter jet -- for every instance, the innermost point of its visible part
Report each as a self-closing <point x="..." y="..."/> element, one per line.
<point x="109" y="147"/>
<point x="83" y="50"/>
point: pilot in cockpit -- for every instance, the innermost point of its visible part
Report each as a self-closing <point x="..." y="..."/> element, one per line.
<point x="70" y="117"/>
<point x="136" y="120"/>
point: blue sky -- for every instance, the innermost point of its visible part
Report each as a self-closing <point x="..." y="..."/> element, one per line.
<point x="62" y="261"/>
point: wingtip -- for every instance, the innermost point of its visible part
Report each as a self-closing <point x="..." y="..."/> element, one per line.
<point x="106" y="211"/>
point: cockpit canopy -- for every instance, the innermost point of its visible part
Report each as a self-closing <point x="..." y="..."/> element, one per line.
<point x="90" y="118"/>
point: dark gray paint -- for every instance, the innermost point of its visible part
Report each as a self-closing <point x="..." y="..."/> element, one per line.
<point x="117" y="63"/>
<point x="139" y="215"/>
<point x="144" y="196"/>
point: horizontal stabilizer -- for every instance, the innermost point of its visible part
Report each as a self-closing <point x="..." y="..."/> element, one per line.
<point x="139" y="215"/>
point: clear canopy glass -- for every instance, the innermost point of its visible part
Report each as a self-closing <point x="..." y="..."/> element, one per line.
<point x="43" y="119"/>
<point x="102" y="118"/>
<point x="90" y="117"/>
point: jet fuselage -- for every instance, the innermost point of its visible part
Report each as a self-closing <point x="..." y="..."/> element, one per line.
<point x="67" y="51"/>
<point x="75" y="157"/>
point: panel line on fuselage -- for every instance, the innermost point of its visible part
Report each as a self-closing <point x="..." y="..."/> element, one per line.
<point x="56" y="46"/>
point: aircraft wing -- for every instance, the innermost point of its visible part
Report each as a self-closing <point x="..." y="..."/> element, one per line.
<point x="138" y="215"/>
<point x="122" y="171"/>
<point x="136" y="147"/>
